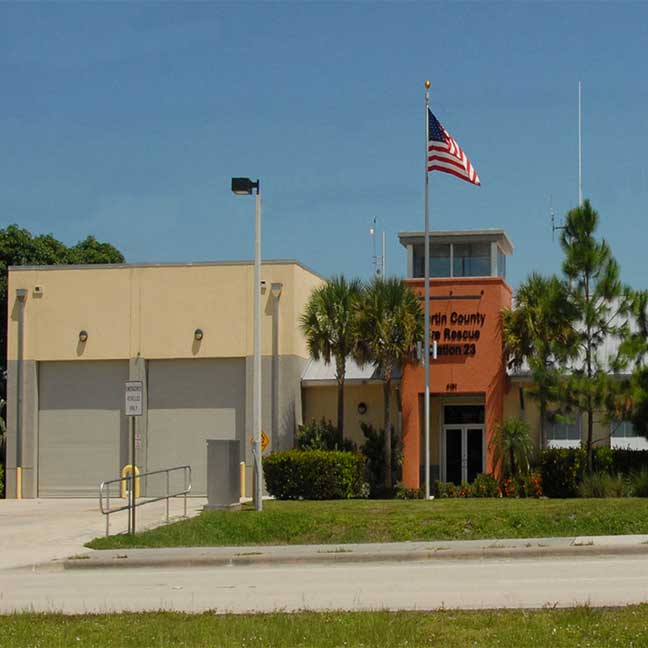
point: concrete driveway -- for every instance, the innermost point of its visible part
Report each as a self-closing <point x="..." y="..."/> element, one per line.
<point x="35" y="531"/>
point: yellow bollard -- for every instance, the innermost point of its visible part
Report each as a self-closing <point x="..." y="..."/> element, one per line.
<point x="126" y="470"/>
<point x="18" y="482"/>
<point x="242" y="469"/>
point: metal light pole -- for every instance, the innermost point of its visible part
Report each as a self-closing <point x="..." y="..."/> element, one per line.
<point x="244" y="187"/>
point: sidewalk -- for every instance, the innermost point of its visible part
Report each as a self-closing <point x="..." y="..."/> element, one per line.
<point x="359" y="553"/>
<point x="36" y="531"/>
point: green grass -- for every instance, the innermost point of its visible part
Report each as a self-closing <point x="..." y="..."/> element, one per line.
<point x="395" y="520"/>
<point x="556" y="628"/>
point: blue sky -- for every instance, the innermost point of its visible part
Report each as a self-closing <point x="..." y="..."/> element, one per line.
<point x="126" y="121"/>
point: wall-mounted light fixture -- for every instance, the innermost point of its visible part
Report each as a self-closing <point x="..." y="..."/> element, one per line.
<point x="83" y="336"/>
<point x="198" y="335"/>
<point x="362" y="408"/>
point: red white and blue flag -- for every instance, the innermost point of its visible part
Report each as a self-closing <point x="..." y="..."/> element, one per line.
<point x="444" y="154"/>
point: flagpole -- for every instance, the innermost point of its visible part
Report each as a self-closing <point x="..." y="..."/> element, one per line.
<point x="580" y="151"/>
<point x="426" y="346"/>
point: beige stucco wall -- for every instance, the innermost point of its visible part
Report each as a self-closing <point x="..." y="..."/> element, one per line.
<point x="321" y="401"/>
<point x="152" y="311"/>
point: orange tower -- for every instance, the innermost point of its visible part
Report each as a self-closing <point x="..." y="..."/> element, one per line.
<point x="468" y="291"/>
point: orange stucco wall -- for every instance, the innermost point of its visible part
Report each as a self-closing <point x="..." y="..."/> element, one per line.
<point x="459" y="369"/>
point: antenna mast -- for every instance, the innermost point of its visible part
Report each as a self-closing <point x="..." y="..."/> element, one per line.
<point x="378" y="262"/>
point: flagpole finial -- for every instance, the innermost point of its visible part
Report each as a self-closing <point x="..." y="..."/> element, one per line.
<point x="427" y="85"/>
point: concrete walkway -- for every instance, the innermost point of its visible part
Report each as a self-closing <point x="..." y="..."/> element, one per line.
<point x="360" y="553"/>
<point x="37" y="531"/>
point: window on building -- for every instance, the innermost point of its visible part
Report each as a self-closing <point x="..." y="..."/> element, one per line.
<point x="471" y="260"/>
<point x="624" y="435"/>
<point x="439" y="260"/>
<point x="558" y="431"/>
<point x="623" y="430"/>
<point x="463" y="414"/>
<point x="501" y="264"/>
<point x="460" y="260"/>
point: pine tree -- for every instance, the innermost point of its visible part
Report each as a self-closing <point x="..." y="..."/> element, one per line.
<point x="600" y="301"/>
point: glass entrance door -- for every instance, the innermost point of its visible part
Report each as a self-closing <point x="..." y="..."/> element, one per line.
<point x="454" y="454"/>
<point x="464" y="452"/>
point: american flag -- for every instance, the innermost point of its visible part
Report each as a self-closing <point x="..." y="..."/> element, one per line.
<point x="444" y="154"/>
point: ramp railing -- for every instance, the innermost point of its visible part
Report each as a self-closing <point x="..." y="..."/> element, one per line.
<point x="131" y="481"/>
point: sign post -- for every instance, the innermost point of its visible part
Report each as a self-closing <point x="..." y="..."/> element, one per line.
<point x="134" y="396"/>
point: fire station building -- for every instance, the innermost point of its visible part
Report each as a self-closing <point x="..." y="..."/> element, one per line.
<point x="76" y="334"/>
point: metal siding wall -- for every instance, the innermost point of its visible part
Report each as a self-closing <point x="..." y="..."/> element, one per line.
<point x="81" y="426"/>
<point x="190" y="401"/>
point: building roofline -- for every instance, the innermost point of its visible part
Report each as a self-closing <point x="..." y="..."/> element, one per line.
<point x="194" y="264"/>
<point x="490" y="234"/>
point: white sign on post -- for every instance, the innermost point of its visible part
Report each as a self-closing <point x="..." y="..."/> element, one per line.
<point x="134" y="397"/>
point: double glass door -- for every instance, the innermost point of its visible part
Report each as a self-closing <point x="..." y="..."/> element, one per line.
<point x="464" y="452"/>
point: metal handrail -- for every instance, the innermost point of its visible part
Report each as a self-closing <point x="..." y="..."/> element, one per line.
<point x="104" y="492"/>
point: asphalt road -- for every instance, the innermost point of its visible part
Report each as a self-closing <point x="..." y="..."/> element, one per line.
<point x="469" y="584"/>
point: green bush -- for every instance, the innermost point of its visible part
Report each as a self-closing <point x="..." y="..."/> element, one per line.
<point x="639" y="482"/>
<point x="321" y="435"/>
<point x="404" y="493"/>
<point x="627" y="462"/>
<point x="512" y="447"/>
<point x="562" y="471"/>
<point x="530" y="485"/>
<point x="485" y="486"/>
<point x="374" y="451"/>
<point x="315" y="474"/>
<point x="602" y="484"/>
<point x="604" y="460"/>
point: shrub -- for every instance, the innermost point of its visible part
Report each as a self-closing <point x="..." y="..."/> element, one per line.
<point x="604" y="460"/>
<point x="639" y="482"/>
<point x="564" y="469"/>
<point x="321" y="435"/>
<point x="1" y="481"/>
<point x="315" y="474"/>
<point x="404" y="493"/>
<point x="602" y="484"/>
<point x="485" y="486"/>
<point x="439" y="489"/>
<point x="512" y="447"/>
<point x="627" y="462"/>
<point x="374" y="451"/>
<point x="530" y="485"/>
<point x="561" y="470"/>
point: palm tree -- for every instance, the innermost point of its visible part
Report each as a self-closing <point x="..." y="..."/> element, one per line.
<point x="539" y="329"/>
<point x="512" y="447"/>
<point x="329" y="326"/>
<point x="389" y="323"/>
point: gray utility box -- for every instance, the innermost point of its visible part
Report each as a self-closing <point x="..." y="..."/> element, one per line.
<point x="223" y="474"/>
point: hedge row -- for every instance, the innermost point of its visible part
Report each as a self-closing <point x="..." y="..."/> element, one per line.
<point x="315" y="475"/>
<point x="563" y="469"/>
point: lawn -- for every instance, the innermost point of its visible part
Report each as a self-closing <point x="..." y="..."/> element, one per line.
<point x="556" y="628"/>
<point x="351" y="521"/>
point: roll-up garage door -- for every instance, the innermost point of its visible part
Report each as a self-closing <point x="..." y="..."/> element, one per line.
<point x="190" y="401"/>
<point x="81" y="427"/>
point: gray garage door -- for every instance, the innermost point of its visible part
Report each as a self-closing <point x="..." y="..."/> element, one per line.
<point x="80" y="426"/>
<point x="190" y="401"/>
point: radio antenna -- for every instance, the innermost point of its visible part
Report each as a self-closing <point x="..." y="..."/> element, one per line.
<point x="554" y="227"/>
